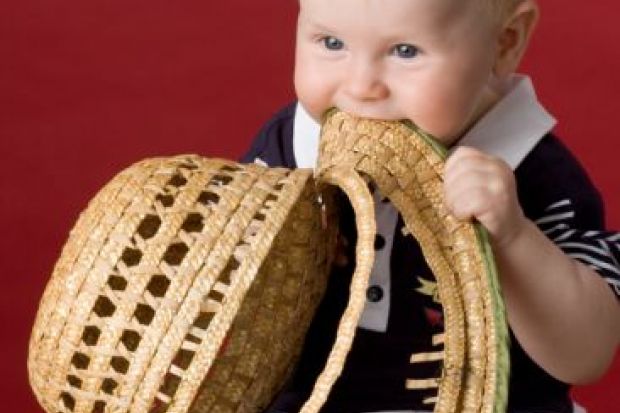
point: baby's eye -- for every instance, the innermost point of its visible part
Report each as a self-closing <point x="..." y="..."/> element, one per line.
<point x="332" y="43"/>
<point x="405" y="51"/>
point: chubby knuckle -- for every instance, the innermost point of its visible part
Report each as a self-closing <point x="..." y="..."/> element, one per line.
<point x="473" y="202"/>
<point x="502" y="167"/>
<point x="448" y="173"/>
<point x="449" y="201"/>
<point x="493" y="158"/>
<point x="496" y="186"/>
<point x="459" y="210"/>
<point x="461" y="153"/>
<point x="479" y="194"/>
<point x="468" y="150"/>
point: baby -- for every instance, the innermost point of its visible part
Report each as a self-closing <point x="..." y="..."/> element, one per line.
<point x="448" y="66"/>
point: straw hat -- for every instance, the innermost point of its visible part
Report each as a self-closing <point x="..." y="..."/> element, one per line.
<point x="187" y="285"/>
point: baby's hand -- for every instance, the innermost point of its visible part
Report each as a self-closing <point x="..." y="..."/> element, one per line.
<point x="477" y="185"/>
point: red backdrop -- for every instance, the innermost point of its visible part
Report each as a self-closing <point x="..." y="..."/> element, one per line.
<point x="88" y="87"/>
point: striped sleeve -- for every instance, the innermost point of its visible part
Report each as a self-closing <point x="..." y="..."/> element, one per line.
<point x="598" y="249"/>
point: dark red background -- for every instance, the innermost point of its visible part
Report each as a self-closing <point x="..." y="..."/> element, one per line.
<point x="88" y="87"/>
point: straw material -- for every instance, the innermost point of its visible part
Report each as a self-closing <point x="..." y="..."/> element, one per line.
<point x="188" y="284"/>
<point x="406" y="165"/>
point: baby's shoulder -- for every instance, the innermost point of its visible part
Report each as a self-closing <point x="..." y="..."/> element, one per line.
<point x="273" y="144"/>
<point x="552" y="175"/>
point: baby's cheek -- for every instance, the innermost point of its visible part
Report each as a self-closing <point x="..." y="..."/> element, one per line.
<point x="313" y="92"/>
<point x="437" y="116"/>
<point x="446" y="114"/>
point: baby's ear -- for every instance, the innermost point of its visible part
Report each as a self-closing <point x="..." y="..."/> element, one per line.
<point x="514" y="37"/>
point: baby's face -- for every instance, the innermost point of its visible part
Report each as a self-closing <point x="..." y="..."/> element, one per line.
<point x="429" y="61"/>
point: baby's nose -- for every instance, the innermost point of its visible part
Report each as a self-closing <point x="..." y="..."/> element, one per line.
<point x="365" y="82"/>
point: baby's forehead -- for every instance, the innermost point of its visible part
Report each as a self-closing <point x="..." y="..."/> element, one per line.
<point x="420" y="14"/>
<point x="397" y="8"/>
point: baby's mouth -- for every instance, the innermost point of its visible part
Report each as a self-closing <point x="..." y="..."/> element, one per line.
<point x="372" y="113"/>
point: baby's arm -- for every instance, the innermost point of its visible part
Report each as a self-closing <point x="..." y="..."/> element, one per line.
<point x="564" y="315"/>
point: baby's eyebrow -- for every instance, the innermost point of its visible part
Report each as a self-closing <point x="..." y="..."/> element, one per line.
<point x="319" y="26"/>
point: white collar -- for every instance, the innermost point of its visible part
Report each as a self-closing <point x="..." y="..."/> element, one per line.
<point x="509" y="130"/>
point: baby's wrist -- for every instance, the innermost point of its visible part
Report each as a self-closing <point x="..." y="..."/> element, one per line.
<point x="512" y="234"/>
